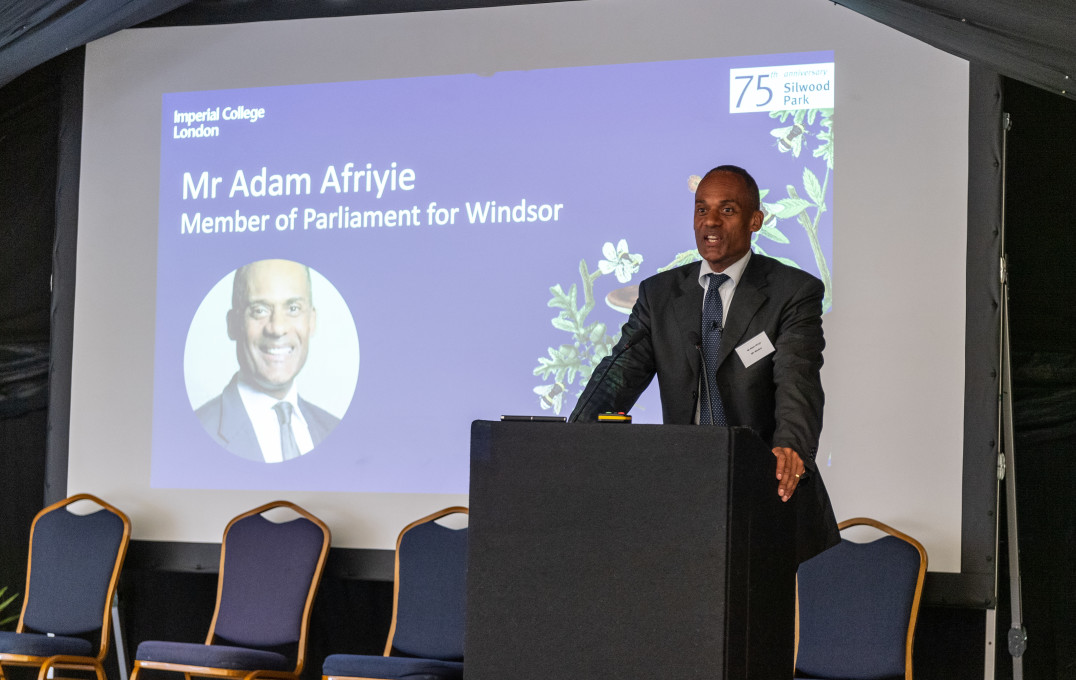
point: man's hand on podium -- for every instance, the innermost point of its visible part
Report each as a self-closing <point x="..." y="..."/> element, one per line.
<point x="789" y="469"/>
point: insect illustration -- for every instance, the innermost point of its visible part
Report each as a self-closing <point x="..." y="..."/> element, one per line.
<point x="790" y="138"/>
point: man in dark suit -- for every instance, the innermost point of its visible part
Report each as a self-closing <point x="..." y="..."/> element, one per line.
<point x="765" y="342"/>
<point x="259" y="415"/>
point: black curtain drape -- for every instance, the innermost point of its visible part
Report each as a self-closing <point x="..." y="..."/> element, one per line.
<point x="1033" y="41"/>
<point x="29" y="116"/>
<point x="1040" y="240"/>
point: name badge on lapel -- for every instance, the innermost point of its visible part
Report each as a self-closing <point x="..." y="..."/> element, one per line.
<point x="754" y="349"/>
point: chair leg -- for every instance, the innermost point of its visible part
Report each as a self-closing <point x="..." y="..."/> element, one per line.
<point x="61" y="662"/>
<point x="796" y="648"/>
<point x="43" y="669"/>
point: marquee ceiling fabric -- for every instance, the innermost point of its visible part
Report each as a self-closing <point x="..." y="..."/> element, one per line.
<point x="34" y="31"/>
<point x="1033" y="41"/>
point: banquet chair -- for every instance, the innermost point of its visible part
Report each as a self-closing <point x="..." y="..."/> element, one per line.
<point x="269" y="575"/>
<point x="857" y="605"/>
<point x="425" y="640"/>
<point x="74" y="565"/>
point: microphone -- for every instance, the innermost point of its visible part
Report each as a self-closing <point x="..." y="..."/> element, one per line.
<point x="633" y="340"/>
<point x="696" y="339"/>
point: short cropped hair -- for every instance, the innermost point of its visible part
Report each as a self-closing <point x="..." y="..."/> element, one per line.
<point x="754" y="202"/>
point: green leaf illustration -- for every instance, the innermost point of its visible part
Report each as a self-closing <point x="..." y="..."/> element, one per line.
<point x="758" y="249"/>
<point x="825" y="149"/>
<point x="596" y="332"/>
<point x="13" y="616"/>
<point x="791" y="207"/>
<point x="561" y="362"/>
<point x="773" y="233"/>
<point x="560" y="298"/>
<point x="813" y="187"/>
<point x="562" y="324"/>
<point x="571" y="364"/>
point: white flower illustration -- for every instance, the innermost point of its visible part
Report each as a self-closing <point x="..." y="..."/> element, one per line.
<point x="619" y="260"/>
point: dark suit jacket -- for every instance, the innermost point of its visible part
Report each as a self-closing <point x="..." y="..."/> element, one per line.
<point x="225" y="418"/>
<point x="779" y="396"/>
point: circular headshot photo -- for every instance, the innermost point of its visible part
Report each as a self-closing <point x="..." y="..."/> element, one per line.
<point x="271" y="361"/>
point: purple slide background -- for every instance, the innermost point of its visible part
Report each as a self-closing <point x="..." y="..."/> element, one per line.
<point x="451" y="319"/>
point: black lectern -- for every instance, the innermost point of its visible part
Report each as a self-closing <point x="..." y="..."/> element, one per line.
<point x="627" y="551"/>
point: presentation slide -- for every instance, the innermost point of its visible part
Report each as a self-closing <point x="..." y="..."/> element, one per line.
<point x="475" y="258"/>
<point x="329" y="245"/>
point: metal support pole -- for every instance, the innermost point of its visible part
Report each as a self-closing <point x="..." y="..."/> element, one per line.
<point x="117" y="633"/>
<point x="990" y="653"/>
<point x="1017" y="635"/>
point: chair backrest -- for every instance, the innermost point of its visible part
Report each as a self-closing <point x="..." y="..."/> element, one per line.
<point x="269" y="575"/>
<point x="857" y="605"/>
<point x="74" y="564"/>
<point x="429" y="611"/>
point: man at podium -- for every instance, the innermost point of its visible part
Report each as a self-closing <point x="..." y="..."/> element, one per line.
<point x="734" y="340"/>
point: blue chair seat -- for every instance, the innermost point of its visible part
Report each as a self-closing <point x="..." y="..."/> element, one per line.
<point x="391" y="667"/>
<point x="428" y="610"/>
<point x="37" y="644"/>
<point x="213" y="656"/>
<point x="858" y="604"/>
<point x="269" y="573"/>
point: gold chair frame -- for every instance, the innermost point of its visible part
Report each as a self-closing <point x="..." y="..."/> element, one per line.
<point x="433" y="517"/>
<point x="92" y="664"/>
<point x="211" y="672"/>
<point x="885" y="528"/>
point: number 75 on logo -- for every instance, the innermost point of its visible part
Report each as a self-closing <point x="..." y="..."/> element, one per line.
<point x="781" y="88"/>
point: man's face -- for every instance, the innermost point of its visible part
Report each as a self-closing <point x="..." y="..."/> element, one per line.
<point x="724" y="219"/>
<point x="273" y="326"/>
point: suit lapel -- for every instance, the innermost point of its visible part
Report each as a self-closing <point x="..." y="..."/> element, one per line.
<point x="746" y="301"/>
<point x="687" y="309"/>
<point x="313" y="422"/>
<point x="235" y="427"/>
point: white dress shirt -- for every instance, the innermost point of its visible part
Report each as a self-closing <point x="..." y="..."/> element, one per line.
<point x="727" y="289"/>
<point x="263" y="417"/>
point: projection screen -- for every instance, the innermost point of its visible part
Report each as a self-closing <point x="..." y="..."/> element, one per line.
<point x="475" y="195"/>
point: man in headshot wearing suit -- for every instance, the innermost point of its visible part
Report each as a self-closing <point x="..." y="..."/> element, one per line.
<point x="756" y="326"/>
<point x="260" y="415"/>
